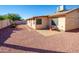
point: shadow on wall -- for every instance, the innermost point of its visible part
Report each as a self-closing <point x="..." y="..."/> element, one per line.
<point x="29" y="48"/>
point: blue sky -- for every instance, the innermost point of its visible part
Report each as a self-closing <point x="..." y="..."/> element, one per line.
<point x="26" y="11"/>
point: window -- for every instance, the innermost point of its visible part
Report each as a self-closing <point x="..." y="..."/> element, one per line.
<point x="38" y="21"/>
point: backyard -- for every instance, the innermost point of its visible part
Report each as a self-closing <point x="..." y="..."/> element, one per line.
<point x="24" y="39"/>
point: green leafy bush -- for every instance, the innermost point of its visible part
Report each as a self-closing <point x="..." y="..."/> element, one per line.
<point x="13" y="17"/>
<point x="1" y="17"/>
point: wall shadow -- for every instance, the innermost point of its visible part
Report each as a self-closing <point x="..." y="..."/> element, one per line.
<point x="74" y="30"/>
<point x="5" y="34"/>
<point x="29" y="48"/>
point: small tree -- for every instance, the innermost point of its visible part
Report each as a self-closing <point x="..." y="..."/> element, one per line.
<point x="1" y="17"/>
<point x="13" y="18"/>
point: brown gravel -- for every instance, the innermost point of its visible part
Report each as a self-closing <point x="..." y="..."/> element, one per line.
<point x="25" y="39"/>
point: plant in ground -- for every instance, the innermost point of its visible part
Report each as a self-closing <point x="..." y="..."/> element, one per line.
<point x="2" y="17"/>
<point x="13" y="18"/>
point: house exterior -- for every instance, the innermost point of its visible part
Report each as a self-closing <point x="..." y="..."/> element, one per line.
<point x="38" y="22"/>
<point x="63" y="20"/>
<point x="66" y="20"/>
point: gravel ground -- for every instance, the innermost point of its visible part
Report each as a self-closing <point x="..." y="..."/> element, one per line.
<point x="24" y="39"/>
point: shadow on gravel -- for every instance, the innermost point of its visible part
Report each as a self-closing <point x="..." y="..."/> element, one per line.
<point x="5" y="34"/>
<point x="29" y="48"/>
<point x="74" y="30"/>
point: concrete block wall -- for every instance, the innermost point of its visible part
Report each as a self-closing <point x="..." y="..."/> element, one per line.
<point x="4" y="23"/>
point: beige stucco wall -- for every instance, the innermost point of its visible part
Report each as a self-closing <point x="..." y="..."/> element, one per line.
<point x="61" y="23"/>
<point x="45" y="22"/>
<point x="72" y="20"/>
<point x="31" y="23"/>
<point x="69" y="22"/>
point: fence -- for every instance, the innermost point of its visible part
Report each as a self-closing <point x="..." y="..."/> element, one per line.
<point x="4" y="23"/>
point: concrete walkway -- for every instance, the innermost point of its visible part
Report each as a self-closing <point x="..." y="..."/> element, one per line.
<point x="25" y="39"/>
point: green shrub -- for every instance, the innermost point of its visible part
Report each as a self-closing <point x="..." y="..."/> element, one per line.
<point x="2" y="17"/>
<point x="13" y="17"/>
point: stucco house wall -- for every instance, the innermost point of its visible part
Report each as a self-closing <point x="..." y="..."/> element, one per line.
<point x="72" y="20"/>
<point x="32" y="23"/>
<point x="67" y="20"/>
<point x="28" y="22"/>
<point x="45" y="22"/>
<point x="61" y="23"/>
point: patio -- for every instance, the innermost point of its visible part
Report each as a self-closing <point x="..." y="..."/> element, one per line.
<point x="25" y="39"/>
<point x="47" y="33"/>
